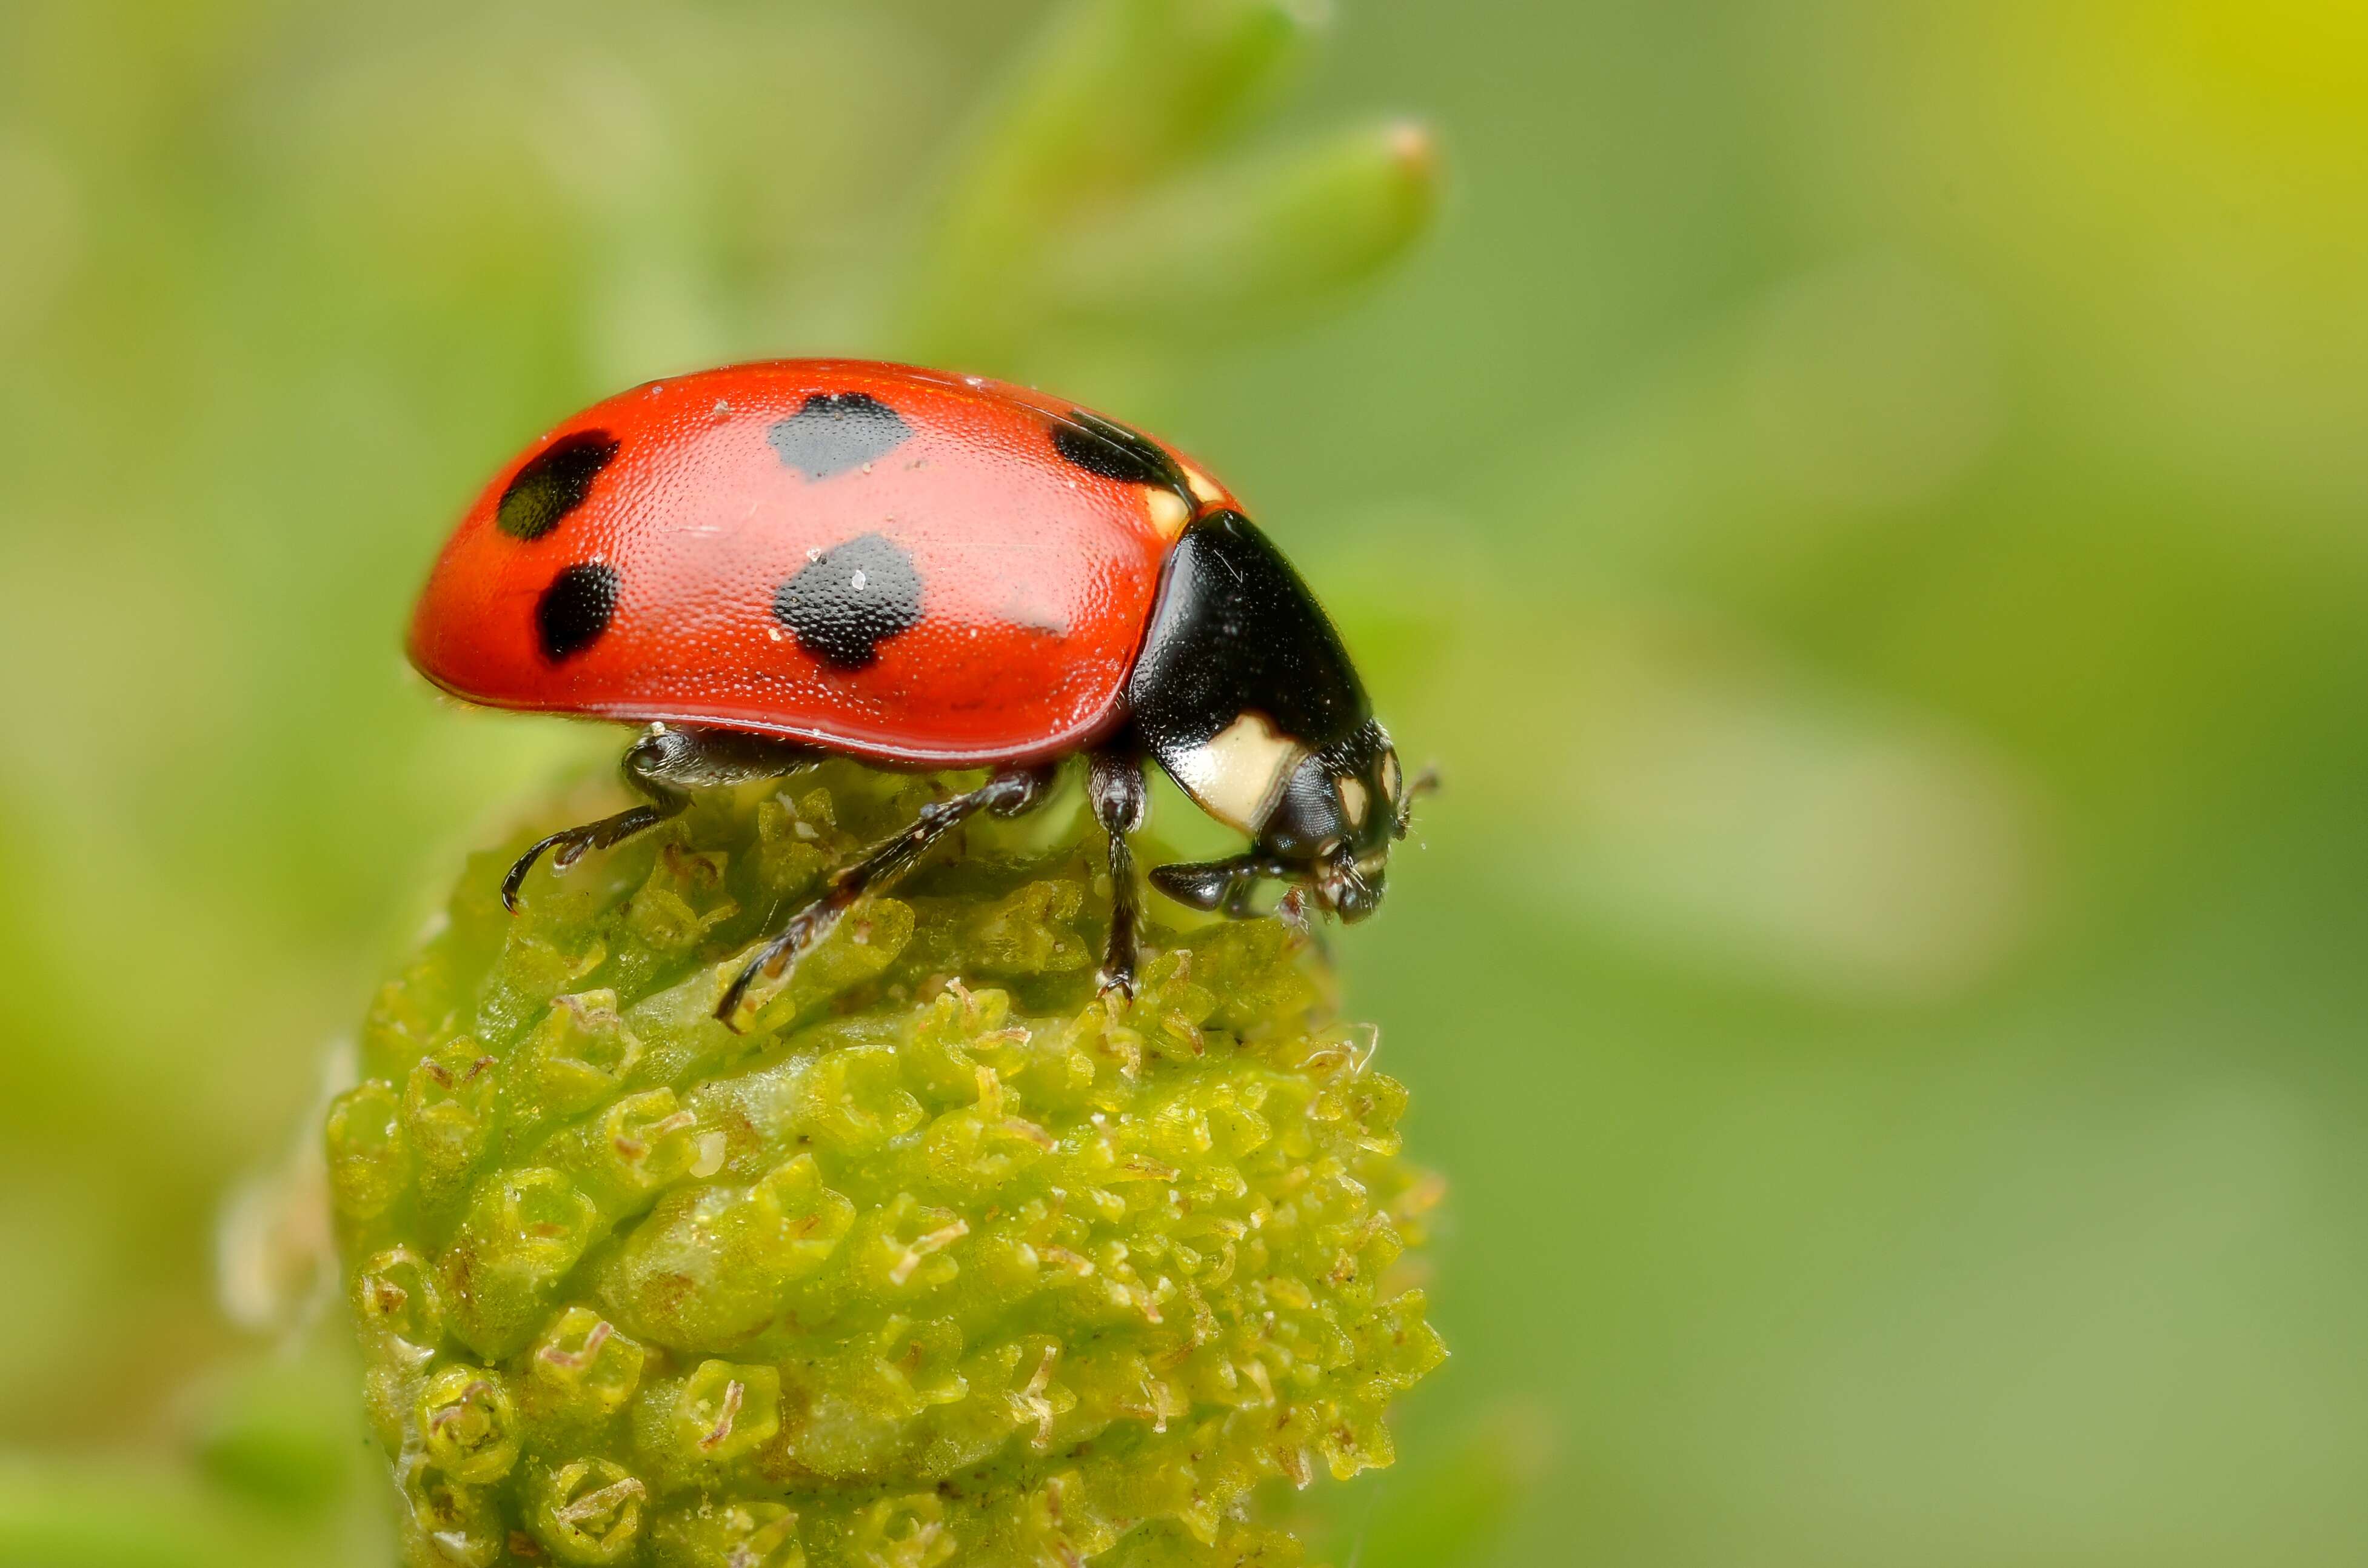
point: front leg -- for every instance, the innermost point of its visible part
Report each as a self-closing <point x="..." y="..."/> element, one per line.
<point x="665" y="766"/>
<point x="1114" y="786"/>
<point x="1008" y="793"/>
<point x="1227" y="885"/>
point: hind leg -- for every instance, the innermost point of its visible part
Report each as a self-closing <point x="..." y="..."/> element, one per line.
<point x="666" y="767"/>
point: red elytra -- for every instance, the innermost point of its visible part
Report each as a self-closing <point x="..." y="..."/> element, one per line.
<point x="1034" y="576"/>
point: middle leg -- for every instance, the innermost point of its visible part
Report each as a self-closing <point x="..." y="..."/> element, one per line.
<point x="665" y="766"/>
<point x="1008" y="793"/>
<point x="1114" y="786"/>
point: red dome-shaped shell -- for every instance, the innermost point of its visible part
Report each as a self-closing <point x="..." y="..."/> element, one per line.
<point x="905" y="565"/>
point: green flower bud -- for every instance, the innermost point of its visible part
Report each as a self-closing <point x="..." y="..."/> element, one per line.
<point x="583" y="1367"/>
<point x="448" y="1107"/>
<point x="711" y="1264"/>
<point x="394" y="1302"/>
<point x="447" y="1523"/>
<point x="369" y="1160"/>
<point x="903" y="1532"/>
<point x="689" y="1430"/>
<point x="919" y="1271"/>
<point x="589" y="1511"/>
<point x="469" y="1424"/>
<point x="627" y="1154"/>
<point x="708" y="1534"/>
<point x="577" y="1058"/>
<point x="681" y="902"/>
<point x="524" y="1230"/>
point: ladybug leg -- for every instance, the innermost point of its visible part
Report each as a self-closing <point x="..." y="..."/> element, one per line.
<point x="1227" y="885"/>
<point x="568" y="847"/>
<point x="1114" y="786"/>
<point x="666" y="765"/>
<point x="1008" y="793"/>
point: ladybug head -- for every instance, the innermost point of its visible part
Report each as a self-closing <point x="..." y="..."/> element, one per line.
<point x="1335" y="820"/>
<point x="1327" y="830"/>
<point x="1245" y="693"/>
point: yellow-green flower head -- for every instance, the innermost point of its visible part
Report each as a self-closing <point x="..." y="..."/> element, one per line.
<point x="948" y="1260"/>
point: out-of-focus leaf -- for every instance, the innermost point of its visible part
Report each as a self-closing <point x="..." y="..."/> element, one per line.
<point x="65" y="1516"/>
<point x="1244" y="243"/>
<point x="1115" y="95"/>
<point x="282" y="1432"/>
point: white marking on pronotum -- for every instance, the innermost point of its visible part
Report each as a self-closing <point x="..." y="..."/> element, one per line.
<point x="1354" y="799"/>
<point x="1202" y="486"/>
<point x="1239" y="774"/>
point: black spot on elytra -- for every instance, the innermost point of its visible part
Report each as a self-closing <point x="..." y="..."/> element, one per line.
<point x="575" y="609"/>
<point x="836" y="431"/>
<point x="554" y="485"/>
<point x="850" y="598"/>
<point x="1107" y="447"/>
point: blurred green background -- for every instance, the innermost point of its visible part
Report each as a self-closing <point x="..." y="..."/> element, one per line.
<point x="1864" y="500"/>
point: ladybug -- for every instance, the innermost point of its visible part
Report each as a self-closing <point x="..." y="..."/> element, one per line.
<point x="771" y="563"/>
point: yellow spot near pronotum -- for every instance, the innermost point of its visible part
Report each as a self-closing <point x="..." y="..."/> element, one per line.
<point x="1168" y="512"/>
